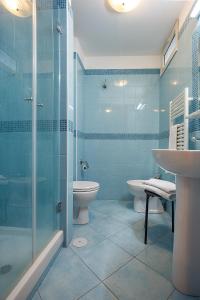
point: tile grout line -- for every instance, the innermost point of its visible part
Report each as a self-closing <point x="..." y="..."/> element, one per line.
<point x="107" y="287"/>
<point x="170" y="294"/>
<point x="131" y="258"/>
<point x="88" y="291"/>
<point x="102" y="280"/>
<point x="153" y="270"/>
<point x="86" y="265"/>
<point x="95" y="288"/>
<point x="39" y="294"/>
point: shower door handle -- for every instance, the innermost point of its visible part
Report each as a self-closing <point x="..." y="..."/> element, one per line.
<point x="30" y="100"/>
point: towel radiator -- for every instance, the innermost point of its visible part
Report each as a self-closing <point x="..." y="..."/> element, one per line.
<point x="179" y="107"/>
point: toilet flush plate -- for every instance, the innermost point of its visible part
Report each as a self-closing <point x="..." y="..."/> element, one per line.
<point x="79" y="242"/>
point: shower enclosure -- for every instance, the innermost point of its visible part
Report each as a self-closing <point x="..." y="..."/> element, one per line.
<point x="32" y="93"/>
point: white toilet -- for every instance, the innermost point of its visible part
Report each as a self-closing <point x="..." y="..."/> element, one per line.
<point x="84" y="192"/>
<point x="136" y="188"/>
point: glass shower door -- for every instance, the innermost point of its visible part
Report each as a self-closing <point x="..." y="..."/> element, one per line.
<point x="47" y="125"/>
<point x="15" y="148"/>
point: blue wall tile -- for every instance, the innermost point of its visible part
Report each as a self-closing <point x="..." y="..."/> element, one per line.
<point x="117" y="144"/>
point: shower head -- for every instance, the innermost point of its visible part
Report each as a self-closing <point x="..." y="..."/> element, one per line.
<point x="104" y="85"/>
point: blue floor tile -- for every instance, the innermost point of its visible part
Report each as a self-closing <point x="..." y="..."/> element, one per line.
<point x="105" y="258"/>
<point x="94" y="214"/>
<point x="156" y="230"/>
<point x="128" y="217"/>
<point x="111" y="207"/>
<point x="68" y="278"/>
<point x="178" y="296"/>
<point x="99" y="293"/>
<point x="115" y="236"/>
<point x="129" y="240"/>
<point x="135" y="281"/>
<point x="106" y="226"/>
<point x="88" y="233"/>
<point x="159" y="257"/>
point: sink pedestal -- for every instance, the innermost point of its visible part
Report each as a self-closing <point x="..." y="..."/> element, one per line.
<point x="186" y="254"/>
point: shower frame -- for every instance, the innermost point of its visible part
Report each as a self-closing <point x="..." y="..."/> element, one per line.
<point x="40" y="262"/>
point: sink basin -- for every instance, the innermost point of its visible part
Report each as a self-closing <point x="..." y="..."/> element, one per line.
<point x="186" y="263"/>
<point x="184" y="163"/>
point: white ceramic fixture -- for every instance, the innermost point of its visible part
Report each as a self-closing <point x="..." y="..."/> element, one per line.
<point x="186" y="263"/>
<point x="136" y="188"/>
<point x="123" y="6"/>
<point x="84" y="192"/>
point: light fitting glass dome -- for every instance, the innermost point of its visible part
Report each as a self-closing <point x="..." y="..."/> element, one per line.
<point x="123" y="6"/>
<point x="20" y="8"/>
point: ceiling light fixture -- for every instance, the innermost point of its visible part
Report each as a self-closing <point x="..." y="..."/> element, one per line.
<point x="123" y="6"/>
<point x="19" y="8"/>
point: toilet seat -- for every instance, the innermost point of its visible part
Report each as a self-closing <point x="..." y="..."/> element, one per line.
<point x="85" y="186"/>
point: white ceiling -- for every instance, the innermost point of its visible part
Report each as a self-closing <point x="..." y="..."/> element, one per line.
<point x="102" y="32"/>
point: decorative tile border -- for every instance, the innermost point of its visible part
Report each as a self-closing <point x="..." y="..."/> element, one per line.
<point x="122" y="72"/>
<point x="120" y="136"/>
<point x="42" y="126"/>
<point x="116" y="136"/>
<point x="195" y="124"/>
<point x="51" y="4"/>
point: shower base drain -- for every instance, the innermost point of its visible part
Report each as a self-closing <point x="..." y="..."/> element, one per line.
<point x="5" y="269"/>
<point x="79" y="242"/>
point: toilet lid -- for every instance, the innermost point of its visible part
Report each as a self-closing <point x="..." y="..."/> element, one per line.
<point x="85" y="185"/>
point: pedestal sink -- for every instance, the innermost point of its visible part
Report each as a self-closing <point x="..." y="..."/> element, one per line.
<point x="186" y="252"/>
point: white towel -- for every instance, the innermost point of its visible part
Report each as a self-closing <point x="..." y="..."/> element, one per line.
<point x="173" y="137"/>
<point x="161" y="193"/>
<point x="166" y="186"/>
